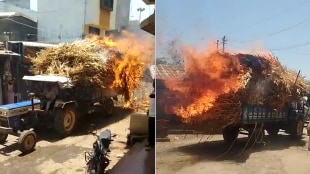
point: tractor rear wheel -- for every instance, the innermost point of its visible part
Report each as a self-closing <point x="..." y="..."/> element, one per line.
<point x="3" y="138"/>
<point x="65" y="120"/>
<point x="27" y="141"/>
<point x="297" y="128"/>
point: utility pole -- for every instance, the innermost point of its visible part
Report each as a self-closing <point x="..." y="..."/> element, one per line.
<point x="140" y="10"/>
<point x="217" y="45"/>
<point x="224" y="40"/>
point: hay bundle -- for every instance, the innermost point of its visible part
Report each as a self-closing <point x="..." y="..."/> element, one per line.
<point x="94" y="61"/>
<point x="262" y="80"/>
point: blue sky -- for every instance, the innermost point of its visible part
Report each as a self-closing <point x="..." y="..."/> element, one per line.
<point x="282" y="26"/>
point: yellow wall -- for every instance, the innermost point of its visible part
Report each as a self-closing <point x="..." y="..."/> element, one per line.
<point x="104" y="19"/>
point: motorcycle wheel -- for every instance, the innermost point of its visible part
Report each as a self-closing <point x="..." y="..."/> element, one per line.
<point x="93" y="168"/>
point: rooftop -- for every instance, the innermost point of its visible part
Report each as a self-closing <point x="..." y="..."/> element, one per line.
<point x="169" y="71"/>
<point x="13" y="14"/>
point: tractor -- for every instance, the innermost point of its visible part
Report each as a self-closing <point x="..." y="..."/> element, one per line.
<point x="61" y="112"/>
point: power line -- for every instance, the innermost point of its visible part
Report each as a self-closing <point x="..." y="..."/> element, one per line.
<point x="290" y="47"/>
<point x="280" y="31"/>
<point x="276" y="14"/>
<point x="285" y="29"/>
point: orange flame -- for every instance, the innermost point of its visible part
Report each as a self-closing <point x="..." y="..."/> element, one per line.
<point x="209" y="75"/>
<point x="135" y="54"/>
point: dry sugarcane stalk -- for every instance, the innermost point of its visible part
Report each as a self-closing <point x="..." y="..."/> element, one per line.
<point x="91" y="62"/>
<point x="266" y="82"/>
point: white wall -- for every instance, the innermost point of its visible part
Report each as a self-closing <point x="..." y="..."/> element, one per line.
<point x="113" y="16"/>
<point x="122" y="11"/>
<point x="92" y="12"/>
<point x="64" y="22"/>
<point x="60" y="22"/>
<point x="20" y="3"/>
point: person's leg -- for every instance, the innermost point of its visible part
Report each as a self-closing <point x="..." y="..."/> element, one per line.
<point x="149" y="145"/>
<point x="149" y="131"/>
<point x="152" y="131"/>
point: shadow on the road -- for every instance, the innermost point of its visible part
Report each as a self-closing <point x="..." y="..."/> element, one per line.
<point x="219" y="150"/>
<point x="83" y="125"/>
<point x="100" y="120"/>
<point x="82" y="128"/>
<point x="8" y="149"/>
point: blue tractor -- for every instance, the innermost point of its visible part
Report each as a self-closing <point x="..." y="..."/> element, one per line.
<point x="54" y="103"/>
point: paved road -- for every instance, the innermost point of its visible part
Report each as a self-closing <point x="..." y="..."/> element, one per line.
<point x="55" y="156"/>
<point x="185" y="155"/>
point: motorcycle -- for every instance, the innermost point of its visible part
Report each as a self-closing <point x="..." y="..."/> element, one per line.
<point x="97" y="159"/>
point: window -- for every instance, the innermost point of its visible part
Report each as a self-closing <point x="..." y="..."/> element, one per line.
<point x="94" y="30"/>
<point x="107" y="4"/>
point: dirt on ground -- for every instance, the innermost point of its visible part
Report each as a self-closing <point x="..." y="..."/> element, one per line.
<point x="201" y="154"/>
<point x="62" y="156"/>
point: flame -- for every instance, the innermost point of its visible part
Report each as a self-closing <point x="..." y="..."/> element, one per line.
<point x="209" y="74"/>
<point x="136" y="54"/>
<point x="215" y="85"/>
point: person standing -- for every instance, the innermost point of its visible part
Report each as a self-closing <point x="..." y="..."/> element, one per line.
<point x="151" y="120"/>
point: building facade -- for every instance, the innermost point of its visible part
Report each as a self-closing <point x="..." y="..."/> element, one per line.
<point x="13" y="31"/>
<point x="148" y="24"/>
<point x="67" y="21"/>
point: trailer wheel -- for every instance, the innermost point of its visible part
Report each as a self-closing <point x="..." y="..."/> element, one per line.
<point x="65" y="120"/>
<point x="27" y="141"/>
<point x="108" y="105"/>
<point x="272" y="131"/>
<point x="297" y="128"/>
<point x="3" y="138"/>
<point x="230" y="133"/>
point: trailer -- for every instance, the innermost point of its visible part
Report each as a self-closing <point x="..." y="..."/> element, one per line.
<point x="61" y="114"/>
<point x="256" y="119"/>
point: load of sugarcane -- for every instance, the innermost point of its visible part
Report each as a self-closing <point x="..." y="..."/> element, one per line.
<point x="93" y="61"/>
<point x="257" y="79"/>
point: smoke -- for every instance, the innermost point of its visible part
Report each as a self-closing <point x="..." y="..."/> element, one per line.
<point x="136" y="40"/>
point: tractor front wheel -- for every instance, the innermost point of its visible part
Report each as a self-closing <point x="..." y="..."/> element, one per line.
<point x="27" y="141"/>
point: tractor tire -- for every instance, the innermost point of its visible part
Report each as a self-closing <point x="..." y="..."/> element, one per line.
<point x="65" y="120"/>
<point x="3" y="138"/>
<point x="272" y="131"/>
<point x="230" y="133"/>
<point x="297" y="129"/>
<point x="27" y="141"/>
<point x="108" y="106"/>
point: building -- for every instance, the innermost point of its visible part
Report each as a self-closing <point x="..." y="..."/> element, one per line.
<point x="7" y="59"/>
<point x="67" y="21"/>
<point x="148" y="24"/>
<point x="11" y="28"/>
